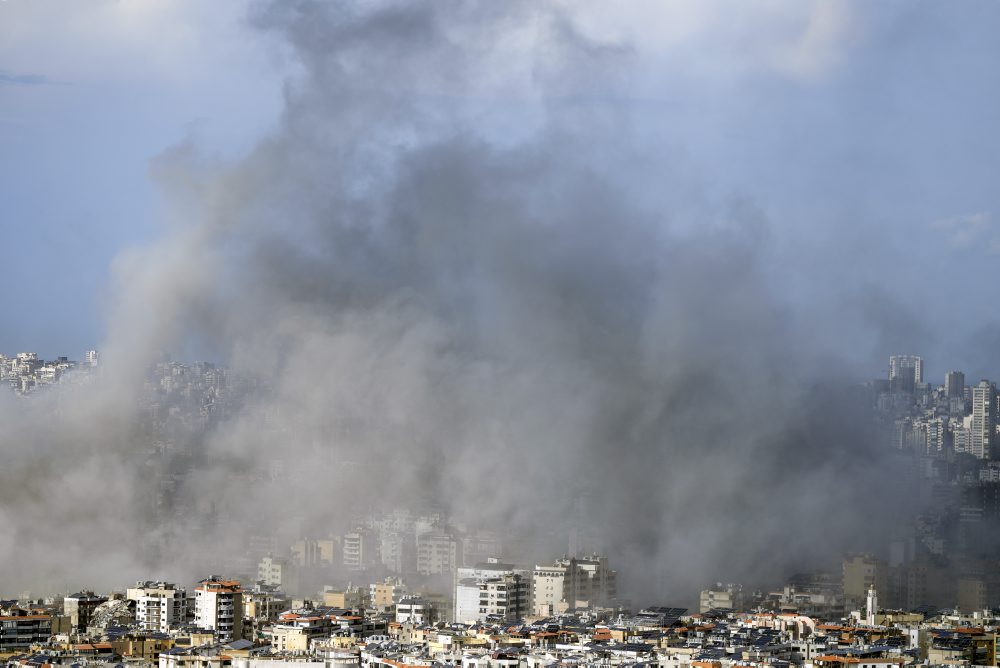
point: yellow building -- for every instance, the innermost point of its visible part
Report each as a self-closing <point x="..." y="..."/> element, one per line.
<point x="315" y="552"/>
<point x="384" y="595"/>
<point x="349" y="599"/>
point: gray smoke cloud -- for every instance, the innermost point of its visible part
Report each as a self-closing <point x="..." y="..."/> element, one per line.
<point x="465" y="281"/>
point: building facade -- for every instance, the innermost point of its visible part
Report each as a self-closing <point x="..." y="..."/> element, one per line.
<point x="219" y="606"/>
<point x="158" y="605"/>
<point x="984" y="422"/>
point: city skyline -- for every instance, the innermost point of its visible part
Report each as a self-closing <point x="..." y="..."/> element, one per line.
<point x="392" y="323"/>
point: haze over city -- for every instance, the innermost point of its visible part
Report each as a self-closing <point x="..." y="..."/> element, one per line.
<point x="632" y="308"/>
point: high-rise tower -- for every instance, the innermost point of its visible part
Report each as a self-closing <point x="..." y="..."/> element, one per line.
<point x="984" y="420"/>
<point x="905" y="372"/>
<point x="954" y="384"/>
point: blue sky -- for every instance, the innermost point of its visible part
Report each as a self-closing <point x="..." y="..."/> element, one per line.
<point x="865" y="133"/>
<point x="90" y="92"/>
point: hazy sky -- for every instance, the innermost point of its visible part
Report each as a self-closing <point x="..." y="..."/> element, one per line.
<point x="90" y="92"/>
<point x="864" y="133"/>
<point x="630" y="243"/>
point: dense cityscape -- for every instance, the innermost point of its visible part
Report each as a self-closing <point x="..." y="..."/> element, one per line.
<point x="404" y="588"/>
<point x="499" y="334"/>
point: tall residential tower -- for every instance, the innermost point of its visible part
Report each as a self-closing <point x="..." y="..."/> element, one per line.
<point x="905" y="372"/>
<point x="982" y="436"/>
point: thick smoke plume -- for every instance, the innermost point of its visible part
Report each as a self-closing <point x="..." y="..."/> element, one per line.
<point x="463" y="282"/>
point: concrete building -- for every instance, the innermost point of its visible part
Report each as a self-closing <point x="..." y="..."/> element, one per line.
<point x="315" y="552"/>
<point x="351" y="598"/>
<point x="573" y="583"/>
<point x="729" y="596"/>
<point x="383" y="596"/>
<point x="861" y="572"/>
<point x="395" y="550"/>
<point x="503" y="599"/>
<point x="493" y="590"/>
<point x="478" y="547"/>
<point x="442" y="604"/>
<point x="905" y="373"/>
<point x="360" y="549"/>
<point x="158" y="605"/>
<point x="437" y="553"/>
<point x="278" y="572"/>
<point x="984" y="420"/>
<point x="219" y="606"/>
<point x="79" y="607"/>
<point x="972" y="594"/>
<point x="594" y="581"/>
<point x="18" y="632"/>
<point x="263" y="603"/>
<point x="414" y="610"/>
<point x="954" y="384"/>
<point x="115" y="612"/>
<point x="548" y="586"/>
<point x="961" y="434"/>
<point x="939" y="436"/>
<point x="297" y="629"/>
<point x="194" y="657"/>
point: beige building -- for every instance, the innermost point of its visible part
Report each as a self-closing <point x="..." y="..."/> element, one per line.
<point x="289" y="638"/>
<point x="316" y="552"/>
<point x="583" y="582"/>
<point x="861" y="572"/>
<point x="261" y="607"/>
<point x="351" y="598"/>
<point x="548" y="585"/>
<point x="383" y="596"/>
<point x="296" y="630"/>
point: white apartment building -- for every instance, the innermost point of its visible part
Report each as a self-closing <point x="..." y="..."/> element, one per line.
<point x="278" y="572"/>
<point x="361" y="549"/>
<point x="219" y="606"/>
<point x="493" y="589"/>
<point x="505" y="598"/>
<point x="414" y="610"/>
<point x="158" y="605"/>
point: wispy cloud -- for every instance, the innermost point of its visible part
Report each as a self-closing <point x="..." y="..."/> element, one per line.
<point x="16" y="79"/>
<point x="971" y="230"/>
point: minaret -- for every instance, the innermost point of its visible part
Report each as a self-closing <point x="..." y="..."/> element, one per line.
<point x="872" y="606"/>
